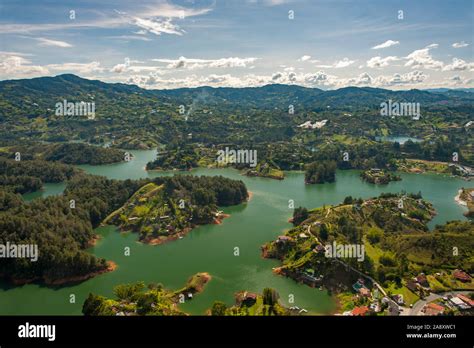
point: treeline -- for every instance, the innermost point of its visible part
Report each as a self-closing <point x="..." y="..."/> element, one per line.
<point x="20" y="184"/>
<point x="43" y="170"/>
<point x="68" y="153"/>
<point x="78" y="153"/>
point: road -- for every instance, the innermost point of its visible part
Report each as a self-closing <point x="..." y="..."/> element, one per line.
<point x="393" y="306"/>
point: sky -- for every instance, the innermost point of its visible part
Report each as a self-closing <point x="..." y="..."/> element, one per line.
<point x="162" y="44"/>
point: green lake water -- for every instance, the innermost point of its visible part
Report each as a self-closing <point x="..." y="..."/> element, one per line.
<point x="211" y="248"/>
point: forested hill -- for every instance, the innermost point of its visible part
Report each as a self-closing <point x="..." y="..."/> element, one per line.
<point x="130" y="117"/>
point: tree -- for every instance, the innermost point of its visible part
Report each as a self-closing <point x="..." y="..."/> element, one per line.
<point x="218" y="308"/>
<point x="299" y="215"/>
<point x="270" y="297"/>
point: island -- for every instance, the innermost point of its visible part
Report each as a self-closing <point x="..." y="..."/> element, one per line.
<point x="169" y="208"/>
<point x="379" y="176"/>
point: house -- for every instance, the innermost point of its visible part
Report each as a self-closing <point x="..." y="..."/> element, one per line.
<point x="461" y="275"/>
<point x="303" y="235"/>
<point x="422" y="280"/>
<point x="466" y="300"/>
<point x="375" y="306"/>
<point x="433" y="309"/>
<point x="284" y="239"/>
<point x="459" y="303"/>
<point x="247" y="298"/>
<point x="399" y="299"/>
<point x="360" y="311"/>
<point x="364" y="292"/>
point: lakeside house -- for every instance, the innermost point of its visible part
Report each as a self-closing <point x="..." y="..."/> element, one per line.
<point x="308" y="277"/>
<point x="246" y="298"/>
<point x="284" y="240"/>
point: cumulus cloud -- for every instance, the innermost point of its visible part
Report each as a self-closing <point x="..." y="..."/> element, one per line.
<point x="192" y="63"/>
<point x="338" y="64"/>
<point x="410" y="78"/>
<point x="386" y="44"/>
<point x="379" y="62"/>
<point x="459" y="65"/>
<point x="460" y="44"/>
<point x="12" y="65"/>
<point x="422" y="59"/>
<point x="304" y="58"/>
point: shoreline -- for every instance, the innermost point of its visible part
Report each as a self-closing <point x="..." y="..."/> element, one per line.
<point x="165" y="239"/>
<point x="111" y="266"/>
<point x="459" y="200"/>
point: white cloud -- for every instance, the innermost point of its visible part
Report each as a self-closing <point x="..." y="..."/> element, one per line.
<point x="338" y="64"/>
<point x="411" y="78"/>
<point x="386" y="44"/>
<point x="157" y="26"/>
<point x="379" y="62"/>
<point x="137" y="37"/>
<point x="459" y="65"/>
<point x="304" y="58"/>
<point x="422" y="59"/>
<point x="55" y="43"/>
<point x="460" y="44"/>
<point x="18" y="66"/>
<point x="78" y="68"/>
<point x="193" y="63"/>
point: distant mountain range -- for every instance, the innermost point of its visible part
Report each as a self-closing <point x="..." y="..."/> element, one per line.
<point x="27" y="95"/>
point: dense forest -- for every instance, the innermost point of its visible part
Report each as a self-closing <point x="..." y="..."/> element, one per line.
<point x="62" y="226"/>
<point x="320" y="172"/>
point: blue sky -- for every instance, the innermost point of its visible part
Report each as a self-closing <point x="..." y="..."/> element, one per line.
<point x="316" y="43"/>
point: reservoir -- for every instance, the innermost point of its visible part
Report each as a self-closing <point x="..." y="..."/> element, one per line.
<point x="210" y="248"/>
